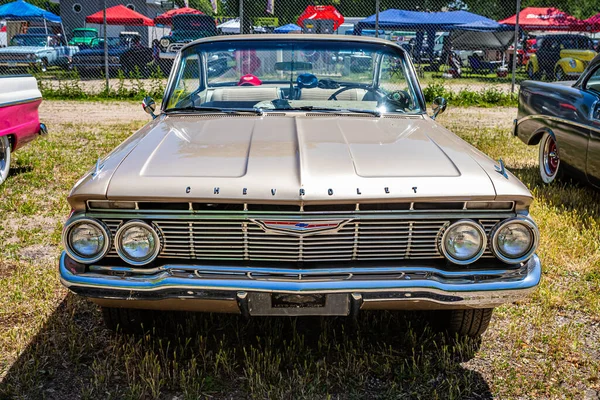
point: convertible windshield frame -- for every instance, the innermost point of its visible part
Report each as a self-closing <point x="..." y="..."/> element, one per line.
<point x="377" y="48"/>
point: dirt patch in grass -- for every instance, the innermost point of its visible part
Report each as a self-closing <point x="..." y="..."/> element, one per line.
<point x="54" y="345"/>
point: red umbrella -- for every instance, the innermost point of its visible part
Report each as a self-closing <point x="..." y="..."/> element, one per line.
<point x="165" y="19"/>
<point x="119" y="15"/>
<point x="544" y="19"/>
<point x="322" y="12"/>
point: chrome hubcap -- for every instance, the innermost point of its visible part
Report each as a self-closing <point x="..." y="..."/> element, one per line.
<point x="3" y="153"/>
<point x="551" y="158"/>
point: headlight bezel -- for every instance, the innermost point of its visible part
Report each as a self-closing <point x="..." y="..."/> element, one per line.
<point x="71" y="250"/>
<point x="481" y="250"/>
<point x="163" y="41"/>
<point x="535" y="234"/>
<point x="119" y="248"/>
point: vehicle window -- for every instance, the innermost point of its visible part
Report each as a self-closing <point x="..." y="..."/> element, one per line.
<point x="86" y="34"/>
<point x="29" y="40"/>
<point x="188" y="83"/>
<point x="593" y="81"/>
<point x="294" y="75"/>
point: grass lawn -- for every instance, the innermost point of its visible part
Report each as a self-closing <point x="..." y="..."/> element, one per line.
<point x="53" y="344"/>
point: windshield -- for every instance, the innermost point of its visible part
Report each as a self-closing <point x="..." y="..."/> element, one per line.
<point x="294" y="75"/>
<point x="85" y="34"/>
<point x="29" y="40"/>
<point x="98" y="43"/>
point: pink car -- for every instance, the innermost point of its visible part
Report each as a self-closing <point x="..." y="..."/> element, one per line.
<point x="19" y="119"/>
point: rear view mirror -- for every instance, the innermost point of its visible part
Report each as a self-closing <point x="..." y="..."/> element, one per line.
<point x="439" y="106"/>
<point x="289" y="66"/>
<point x="149" y="106"/>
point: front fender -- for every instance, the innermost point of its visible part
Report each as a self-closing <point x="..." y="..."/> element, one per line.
<point x="570" y="65"/>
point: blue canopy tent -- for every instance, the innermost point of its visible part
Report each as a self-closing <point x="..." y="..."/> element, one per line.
<point x="482" y="35"/>
<point x="421" y="22"/>
<point x="22" y="11"/>
<point x="287" y="28"/>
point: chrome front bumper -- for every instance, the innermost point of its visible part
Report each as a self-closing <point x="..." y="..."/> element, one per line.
<point x="232" y="288"/>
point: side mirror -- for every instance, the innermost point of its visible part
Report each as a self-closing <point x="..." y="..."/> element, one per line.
<point x="149" y="106"/>
<point x="439" y="106"/>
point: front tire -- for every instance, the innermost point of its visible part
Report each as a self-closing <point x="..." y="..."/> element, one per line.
<point x="550" y="166"/>
<point x="5" y="150"/>
<point x="469" y="322"/>
<point x="127" y="320"/>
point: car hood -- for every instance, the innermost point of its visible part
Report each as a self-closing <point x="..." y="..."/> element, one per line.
<point x="21" y="49"/>
<point x="300" y="158"/>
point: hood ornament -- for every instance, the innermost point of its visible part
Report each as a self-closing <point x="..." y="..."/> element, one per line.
<point x="501" y="169"/>
<point x="97" y="169"/>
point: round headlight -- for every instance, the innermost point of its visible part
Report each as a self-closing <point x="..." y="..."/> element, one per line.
<point x="165" y="42"/>
<point x="515" y="240"/>
<point x="86" y="240"/>
<point x="463" y="242"/>
<point x="137" y="243"/>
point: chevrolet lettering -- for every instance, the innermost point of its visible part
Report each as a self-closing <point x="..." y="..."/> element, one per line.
<point x="303" y="177"/>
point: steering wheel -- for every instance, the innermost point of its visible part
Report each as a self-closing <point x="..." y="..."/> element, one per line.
<point x="400" y="99"/>
<point x="378" y="94"/>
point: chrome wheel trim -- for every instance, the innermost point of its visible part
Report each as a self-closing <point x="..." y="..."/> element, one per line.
<point x="4" y="158"/>
<point x="549" y="158"/>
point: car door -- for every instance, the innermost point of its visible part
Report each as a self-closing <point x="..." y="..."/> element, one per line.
<point x="592" y="86"/>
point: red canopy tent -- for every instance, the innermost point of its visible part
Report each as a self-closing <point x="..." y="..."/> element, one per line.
<point x="119" y="15"/>
<point x="593" y="23"/>
<point x="165" y="19"/>
<point x="545" y="19"/>
<point x="322" y="12"/>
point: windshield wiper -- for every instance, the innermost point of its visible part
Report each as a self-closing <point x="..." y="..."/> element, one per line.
<point x="257" y="111"/>
<point x="376" y="113"/>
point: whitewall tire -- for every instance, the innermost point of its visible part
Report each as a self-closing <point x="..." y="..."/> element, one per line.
<point x="550" y="168"/>
<point x="4" y="158"/>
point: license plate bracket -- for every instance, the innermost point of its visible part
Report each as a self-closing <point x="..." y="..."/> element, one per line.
<point x="283" y="304"/>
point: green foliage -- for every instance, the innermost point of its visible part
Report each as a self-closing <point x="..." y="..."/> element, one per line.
<point x="490" y="96"/>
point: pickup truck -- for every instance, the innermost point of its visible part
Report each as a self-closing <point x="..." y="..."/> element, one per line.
<point x="83" y="36"/>
<point x="41" y="51"/>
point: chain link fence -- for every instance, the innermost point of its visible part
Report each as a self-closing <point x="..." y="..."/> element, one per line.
<point x="126" y="48"/>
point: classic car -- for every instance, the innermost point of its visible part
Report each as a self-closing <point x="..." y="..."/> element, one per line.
<point x="124" y="53"/>
<point x="563" y="119"/>
<point x="560" y="56"/>
<point x="83" y="37"/>
<point x="296" y="191"/>
<point x="186" y="28"/>
<point x="36" y="50"/>
<point x="19" y="119"/>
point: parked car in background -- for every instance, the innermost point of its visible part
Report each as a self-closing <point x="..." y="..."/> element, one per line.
<point x="296" y="191"/>
<point x="560" y="56"/>
<point x="19" y="119"/>
<point x="125" y="53"/>
<point x="563" y="119"/>
<point x="40" y="51"/>
<point x="83" y="37"/>
<point x="186" y="28"/>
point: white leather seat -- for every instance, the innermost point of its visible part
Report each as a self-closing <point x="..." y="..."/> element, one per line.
<point x="246" y="93"/>
<point x="324" y="94"/>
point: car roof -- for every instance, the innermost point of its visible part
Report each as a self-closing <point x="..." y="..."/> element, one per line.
<point x="294" y="37"/>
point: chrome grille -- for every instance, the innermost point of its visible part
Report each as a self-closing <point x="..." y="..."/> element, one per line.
<point x="242" y="239"/>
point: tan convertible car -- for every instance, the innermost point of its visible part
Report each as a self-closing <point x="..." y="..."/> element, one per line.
<point x="298" y="176"/>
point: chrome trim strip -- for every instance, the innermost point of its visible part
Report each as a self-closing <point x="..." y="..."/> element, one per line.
<point x="558" y="119"/>
<point x="19" y="102"/>
<point x="481" y="283"/>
